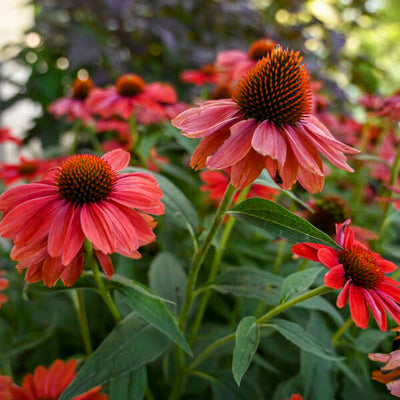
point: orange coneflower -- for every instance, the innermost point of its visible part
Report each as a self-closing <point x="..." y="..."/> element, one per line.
<point x="74" y="106"/>
<point x="84" y="198"/>
<point x="362" y="272"/>
<point x="233" y="64"/>
<point x="266" y="124"/>
<point x="46" y="384"/>
<point x="132" y="96"/>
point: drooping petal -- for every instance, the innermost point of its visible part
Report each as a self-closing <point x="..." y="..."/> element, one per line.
<point x="247" y="170"/>
<point x="358" y="308"/>
<point x="268" y="141"/>
<point x="328" y="257"/>
<point x="235" y="147"/>
<point x="73" y="271"/>
<point x="74" y="238"/>
<point x="308" y="250"/>
<point x="52" y="270"/>
<point x="105" y="262"/>
<point x="335" y="278"/>
<point x="377" y="310"/>
<point x="117" y="159"/>
<point x="343" y="295"/>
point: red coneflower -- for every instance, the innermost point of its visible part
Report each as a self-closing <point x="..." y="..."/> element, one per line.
<point x="267" y="123"/>
<point x="216" y="183"/>
<point x="27" y="170"/>
<point x="390" y="372"/>
<point x="362" y="272"/>
<point x="5" y="136"/>
<point x="206" y="74"/>
<point x="3" y="285"/>
<point x="131" y="95"/>
<point x="74" y="106"/>
<point x="85" y="197"/>
<point x="233" y="64"/>
<point x="46" y="384"/>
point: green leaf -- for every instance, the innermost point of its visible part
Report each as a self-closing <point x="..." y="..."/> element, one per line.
<point x="131" y="344"/>
<point x="249" y="282"/>
<point x="155" y="312"/>
<point x="302" y="339"/>
<point x="129" y="386"/>
<point x="323" y="305"/>
<point x="177" y="206"/>
<point x="298" y="282"/>
<point x="266" y="180"/>
<point x="167" y="278"/>
<point x="277" y="220"/>
<point x="247" y="339"/>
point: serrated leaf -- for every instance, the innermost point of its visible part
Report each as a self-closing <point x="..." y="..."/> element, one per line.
<point x="129" y="386"/>
<point x="131" y="344"/>
<point x="247" y="338"/>
<point x="155" y="312"/>
<point x="302" y="339"/>
<point x="168" y="279"/>
<point x="298" y="282"/>
<point x="249" y="282"/>
<point x="277" y="220"/>
<point x="177" y="206"/>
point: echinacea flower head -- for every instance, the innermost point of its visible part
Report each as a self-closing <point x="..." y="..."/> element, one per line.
<point x="361" y="274"/>
<point x="233" y="64"/>
<point x="3" y="285"/>
<point x="206" y="74"/>
<point x="390" y="372"/>
<point x="74" y="106"/>
<point x="266" y="124"/>
<point x="46" y="384"/>
<point x="132" y="96"/>
<point x="216" y="183"/>
<point x="328" y="211"/>
<point x="84" y="198"/>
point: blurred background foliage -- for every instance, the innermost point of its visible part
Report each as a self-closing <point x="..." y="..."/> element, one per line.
<point x="350" y="45"/>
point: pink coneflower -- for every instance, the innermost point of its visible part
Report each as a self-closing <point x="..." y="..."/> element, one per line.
<point x="390" y="372"/>
<point x="206" y="74"/>
<point x="27" y="170"/>
<point x="84" y="198"/>
<point x="266" y="124"/>
<point x="362" y="272"/>
<point x="131" y="95"/>
<point x="216" y="183"/>
<point x="5" y="136"/>
<point x="74" y="106"/>
<point x="3" y="285"/>
<point x="46" y="384"/>
<point x="234" y="64"/>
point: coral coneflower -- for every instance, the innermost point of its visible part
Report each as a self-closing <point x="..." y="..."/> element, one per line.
<point x="233" y="64"/>
<point x="27" y="170"/>
<point x="267" y="123"/>
<point x="5" y="136"/>
<point x="84" y="198"/>
<point x="206" y="74"/>
<point x="74" y="106"/>
<point x="131" y="95"/>
<point x="390" y="372"/>
<point x="216" y="183"/>
<point x="46" y="384"/>
<point x="362" y="272"/>
<point x="3" y="285"/>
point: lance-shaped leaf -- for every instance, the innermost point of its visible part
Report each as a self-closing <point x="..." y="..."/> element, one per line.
<point x="277" y="220"/>
<point x="131" y="344"/>
<point x="247" y="338"/>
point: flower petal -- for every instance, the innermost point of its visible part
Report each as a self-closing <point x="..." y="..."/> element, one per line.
<point x="117" y="159"/>
<point x="358" y="308"/>
<point x="335" y="278"/>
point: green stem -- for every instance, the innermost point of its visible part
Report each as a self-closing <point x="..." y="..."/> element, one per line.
<point x="338" y="334"/>
<point x="76" y="129"/>
<point x="99" y="281"/>
<point x="136" y="141"/>
<point x="94" y="140"/>
<point x="214" y="268"/>
<point x="394" y="173"/>
<point x="83" y="323"/>
<point x="279" y="256"/>
<point x="274" y="312"/>
<point x="198" y="257"/>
